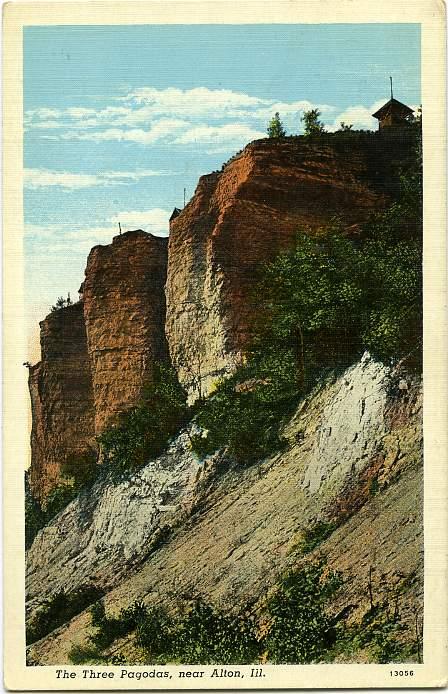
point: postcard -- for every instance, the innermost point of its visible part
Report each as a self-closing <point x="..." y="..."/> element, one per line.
<point x="225" y="345"/>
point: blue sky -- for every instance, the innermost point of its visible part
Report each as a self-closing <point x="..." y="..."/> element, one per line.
<point x="119" y="119"/>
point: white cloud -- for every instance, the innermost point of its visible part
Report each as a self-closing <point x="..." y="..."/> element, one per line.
<point x="159" y="131"/>
<point x="358" y="116"/>
<point x="197" y="101"/>
<point x="70" y="239"/>
<point x="142" y="106"/>
<point x="230" y="135"/>
<point x="44" y="178"/>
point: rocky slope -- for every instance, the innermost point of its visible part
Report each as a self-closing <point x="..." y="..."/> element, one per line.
<point x="353" y="457"/>
<point x="245" y="215"/>
<point x="61" y="397"/>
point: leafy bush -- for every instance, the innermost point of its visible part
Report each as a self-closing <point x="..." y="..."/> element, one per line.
<point x="301" y="631"/>
<point x="34" y="516"/>
<point x="337" y="297"/>
<point x="206" y="635"/>
<point x="58" y="499"/>
<point x="144" y="431"/>
<point x="107" y="629"/>
<point x="378" y="634"/>
<point x="80" y="655"/>
<point x="312" y="124"/>
<point x="201" y="634"/>
<point x="275" y="127"/>
<point x="295" y="628"/>
<point x="60" y="609"/>
<point x="245" y="411"/>
<point x="154" y="633"/>
<point x="61" y="303"/>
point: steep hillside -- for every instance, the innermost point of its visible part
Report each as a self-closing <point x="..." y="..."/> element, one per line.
<point x="353" y="463"/>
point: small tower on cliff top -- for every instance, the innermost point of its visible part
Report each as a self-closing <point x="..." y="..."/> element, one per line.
<point x="394" y="113"/>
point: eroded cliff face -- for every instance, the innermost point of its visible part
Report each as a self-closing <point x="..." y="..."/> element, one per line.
<point x="243" y="216"/>
<point x="98" y="354"/>
<point x="61" y="398"/>
<point x="124" y="310"/>
<point x="235" y="530"/>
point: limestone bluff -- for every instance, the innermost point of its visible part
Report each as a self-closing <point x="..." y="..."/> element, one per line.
<point x="189" y="298"/>
<point x="345" y="483"/>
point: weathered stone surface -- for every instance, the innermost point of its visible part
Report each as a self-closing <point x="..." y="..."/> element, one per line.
<point x="100" y="534"/>
<point x="245" y="529"/>
<point x="247" y="214"/>
<point x="124" y="308"/>
<point x="61" y="397"/>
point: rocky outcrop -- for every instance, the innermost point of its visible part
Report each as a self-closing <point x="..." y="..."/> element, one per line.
<point x="61" y="398"/>
<point x="245" y="215"/>
<point x="237" y="219"/>
<point x="100" y="534"/>
<point x="98" y="354"/>
<point x="245" y="526"/>
<point x="124" y="309"/>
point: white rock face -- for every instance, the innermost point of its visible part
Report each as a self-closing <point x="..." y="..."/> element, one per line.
<point x="99" y="533"/>
<point x="352" y="423"/>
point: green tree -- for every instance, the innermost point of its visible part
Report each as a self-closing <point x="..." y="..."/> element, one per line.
<point x="312" y="124"/>
<point x="143" y="431"/>
<point x="245" y="412"/>
<point x="275" y="127"/>
<point x="301" y="630"/>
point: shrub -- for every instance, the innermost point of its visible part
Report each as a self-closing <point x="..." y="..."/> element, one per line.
<point x="58" y="499"/>
<point x="107" y="629"/>
<point x="80" y="655"/>
<point x="301" y="631"/>
<point x="60" y="609"/>
<point x="312" y="124"/>
<point x="154" y="633"/>
<point x="315" y="535"/>
<point x="206" y="635"/>
<point x="144" y="431"/>
<point x="200" y="634"/>
<point x="378" y="634"/>
<point x="34" y="516"/>
<point x="37" y="517"/>
<point x="245" y="412"/>
<point x="275" y="128"/>
<point x="296" y="628"/>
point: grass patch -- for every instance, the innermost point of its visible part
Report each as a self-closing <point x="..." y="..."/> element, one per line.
<point x="315" y="535"/>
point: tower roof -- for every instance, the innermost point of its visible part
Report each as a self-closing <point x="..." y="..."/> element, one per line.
<point x="175" y="213"/>
<point x="394" y="106"/>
